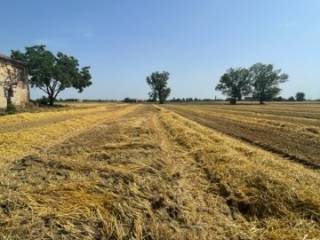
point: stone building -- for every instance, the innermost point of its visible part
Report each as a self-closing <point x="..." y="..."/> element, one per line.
<point x="13" y="82"/>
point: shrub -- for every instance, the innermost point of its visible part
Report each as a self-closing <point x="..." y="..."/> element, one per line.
<point x="42" y="101"/>
<point x="11" y="109"/>
<point x="129" y="100"/>
<point x="291" y="99"/>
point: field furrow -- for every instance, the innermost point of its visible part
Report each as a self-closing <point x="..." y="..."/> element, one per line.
<point x="35" y="136"/>
<point x="268" y="196"/>
<point x="148" y="173"/>
<point x="22" y="121"/>
<point x="295" y="140"/>
<point x="299" y="110"/>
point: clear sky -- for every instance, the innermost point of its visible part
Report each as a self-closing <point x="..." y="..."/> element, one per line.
<point x="195" y="40"/>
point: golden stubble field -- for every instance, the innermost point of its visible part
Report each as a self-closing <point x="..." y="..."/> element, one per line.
<point x="291" y="130"/>
<point x="146" y="172"/>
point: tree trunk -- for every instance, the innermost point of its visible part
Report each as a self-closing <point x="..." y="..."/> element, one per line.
<point x="233" y="101"/>
<point x="161" y="101"/>
<point x="51" y="100"/>
<point x="262" y="97"/>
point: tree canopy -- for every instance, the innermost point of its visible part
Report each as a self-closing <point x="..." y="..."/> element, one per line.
<point x="235" y="83"/>
<point x="260" y="80"/>
<point x="300" y="96"/>
<point x="158" y="83"/>
<point x="53" y="73"/>
<point x="266" y="80"/>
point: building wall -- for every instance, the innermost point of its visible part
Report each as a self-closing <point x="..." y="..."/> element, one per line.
<point x="20" y="91"/>
<point x="3" y="100"/>
<point x="20" y="94"/>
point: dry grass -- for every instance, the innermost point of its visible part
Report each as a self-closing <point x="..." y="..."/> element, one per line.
<point x="147" y="173"/>
<point x="25" y="133"/>
<point x="285" y="129"/>
<point x="278" y="198"/>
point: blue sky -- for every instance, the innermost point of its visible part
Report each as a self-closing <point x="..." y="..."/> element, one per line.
<point x="196" y="41"/>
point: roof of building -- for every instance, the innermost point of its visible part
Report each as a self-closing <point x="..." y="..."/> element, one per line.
<point x="9" y="59"/>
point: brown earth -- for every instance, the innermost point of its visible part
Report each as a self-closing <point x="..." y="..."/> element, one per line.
<point x="296" y="138"/>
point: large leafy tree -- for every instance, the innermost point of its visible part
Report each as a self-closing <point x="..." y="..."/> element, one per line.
<point x="235" y="83"/>
<point x="53" y="73"/>
<point x="265" y="81"/>
<point x="158" y="83"/>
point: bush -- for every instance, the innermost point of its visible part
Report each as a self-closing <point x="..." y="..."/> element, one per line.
<point x="129" y="100"/>
<point x="291" y="99"/>
<point x="42" y="101"/>
<point x="279" y="99"/>
<point x="11" y="109"/>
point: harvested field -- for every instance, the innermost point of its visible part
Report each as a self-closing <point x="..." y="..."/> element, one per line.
<point x="144" y="172"/>
<point x="292" y="130"/>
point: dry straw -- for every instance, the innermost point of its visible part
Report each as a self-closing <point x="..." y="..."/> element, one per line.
<point x="148" y="173"/>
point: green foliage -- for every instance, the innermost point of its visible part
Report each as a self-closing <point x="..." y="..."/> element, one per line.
<point x="158" y="82"/>
<point x="291" y="99"/>
<point x="129" y="100"/>
<point x="53" y="73"/>
<point x="11" y="109"/>
<point x="300" y="96"/>
<point x="42" y="101"/>
<point x="235" y="83"/>
<point x="279" y="99"/>
<point x="262" y="80"/>
<point x="265" y="80"/>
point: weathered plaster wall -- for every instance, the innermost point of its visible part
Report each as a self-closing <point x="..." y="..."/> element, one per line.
<point x="20" y="94"/>
<point x="20" y="91"/>
<point x="3" y="101"/>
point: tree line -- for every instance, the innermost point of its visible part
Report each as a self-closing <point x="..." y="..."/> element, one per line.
<point x="259" y="82"/>
<point x="53" y="73"/>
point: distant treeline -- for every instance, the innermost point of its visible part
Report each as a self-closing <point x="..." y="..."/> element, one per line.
<point x="194" y="100"/>
<point x="86" y="100"/>
<point x="259" y="82"/>
<point x="44" y="100"/>
<point x="176" y="100"/>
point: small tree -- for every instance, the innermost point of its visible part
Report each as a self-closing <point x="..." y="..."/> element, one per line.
<point x="235" y="83"/>
<point x="300" y="96"/>
<point x="158" y="83"/>
<point x="291" y="99"/>
<point x="53" y="73"/>
<point x="266" y="80"/>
